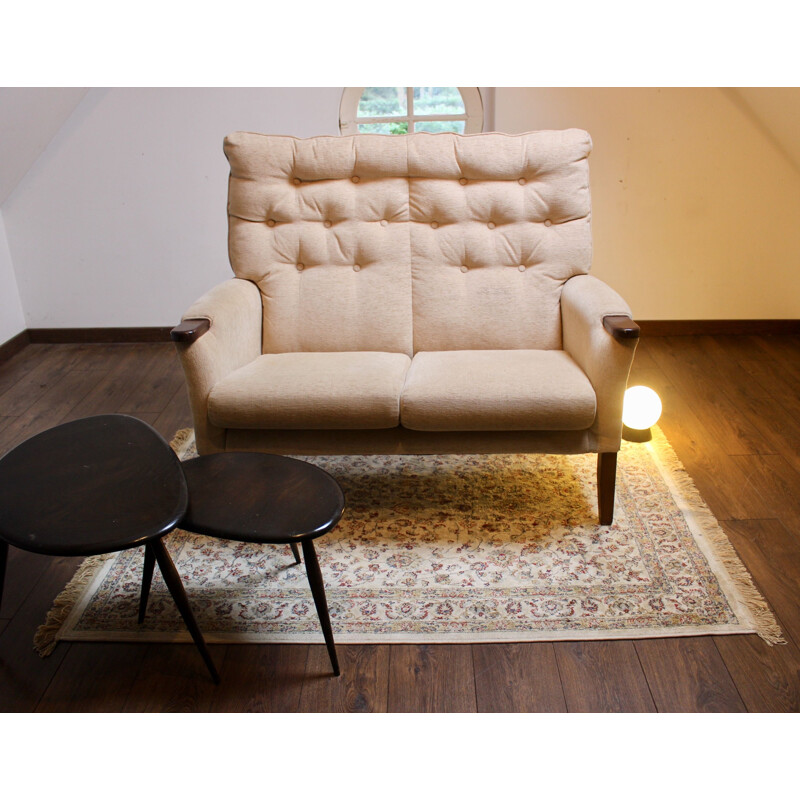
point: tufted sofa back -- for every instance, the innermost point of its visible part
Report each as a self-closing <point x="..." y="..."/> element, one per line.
<point x="408" y="243"/>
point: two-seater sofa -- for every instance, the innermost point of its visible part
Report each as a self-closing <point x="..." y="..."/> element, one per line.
<point x="426" y="293"/>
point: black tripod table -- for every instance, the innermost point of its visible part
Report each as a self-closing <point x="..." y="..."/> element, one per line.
<point x="265" y="499"/>
<point x="96" y="485"/>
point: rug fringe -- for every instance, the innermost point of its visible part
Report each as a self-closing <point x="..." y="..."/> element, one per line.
<point x="765" y="622"/>
<point x="45" y="638"/>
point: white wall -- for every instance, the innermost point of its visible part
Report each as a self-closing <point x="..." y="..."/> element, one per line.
<point x="29" y="118"/>
<point x="12" y="320"/>
<point x="695" y="210"/>
<point x="122" y="221"/>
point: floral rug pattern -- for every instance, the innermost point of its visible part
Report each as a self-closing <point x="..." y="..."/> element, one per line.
<point x="455" y="548"/>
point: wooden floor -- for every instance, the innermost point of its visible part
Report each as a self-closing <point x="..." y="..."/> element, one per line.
<point x="732" y="413"/>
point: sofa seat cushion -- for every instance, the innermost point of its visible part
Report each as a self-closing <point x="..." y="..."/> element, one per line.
<point x="349" y="390"/>
<point x="496" y="390"/>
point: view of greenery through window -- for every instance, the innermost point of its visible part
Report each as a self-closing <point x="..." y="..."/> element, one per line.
<point x="381" y="103"/>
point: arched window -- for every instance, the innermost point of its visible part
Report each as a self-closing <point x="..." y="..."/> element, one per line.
<point x="406" y="109"/>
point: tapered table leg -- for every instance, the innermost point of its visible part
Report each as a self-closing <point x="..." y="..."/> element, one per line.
<point x="318" y="592"/>
<point x="147" y="579"/>
<point x="295" y="552"/>
<point x="3" y="562"/>
<point x="175" y="586"/>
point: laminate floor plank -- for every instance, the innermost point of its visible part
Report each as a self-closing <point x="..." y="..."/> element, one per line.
<point x="21" y="365"/>
<point x="517" y="677"/>
<point x="172" y="678"/>
<point x="772" y="556"/>
<point x="50" y="408"/>
<point x="175" y="416"/>
<point x="362" y="686"/>
<point x="767" y="678"/>
<point x="23" y="571"/>
<point x="643" y="358"/>
<point x="688" y="675"/>
<point x="777" y="483"/>
<point x="436" y="678"/>
<point x="602" y="676"/>
<point x="156" y="385"/>
<point x="690" y="370"/>
<point x="731" y="412"/>
<point x="35" y="382"/>
<point x="261" y="677"/>
<point x="110" y="394"/>
<point x="93" y="675"/>
<point x="24" y="674"/>
<point x="721" y="479"/>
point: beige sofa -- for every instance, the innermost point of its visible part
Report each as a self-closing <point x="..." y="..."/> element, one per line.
<point x="426" y="293"/>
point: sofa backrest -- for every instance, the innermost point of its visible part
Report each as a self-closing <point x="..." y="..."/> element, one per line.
<point x="408" y="243"/>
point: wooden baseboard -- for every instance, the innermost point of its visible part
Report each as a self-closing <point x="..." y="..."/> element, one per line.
<point x="717" y="327"/>
<point x="97" y="335"/>
<point x="657" y="327"/>
<point x="14" y="345"/>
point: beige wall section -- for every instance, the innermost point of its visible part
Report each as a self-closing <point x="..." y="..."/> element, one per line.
<point x="695" y="209"/>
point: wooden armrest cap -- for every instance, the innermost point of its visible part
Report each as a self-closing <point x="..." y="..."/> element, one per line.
<point x="622" y="328"/>
<point x="190" y="330"/>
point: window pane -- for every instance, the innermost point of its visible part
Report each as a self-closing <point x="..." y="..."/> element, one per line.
<point x="383" y="127"/>
<point x="437" y="126"/>
<point x="438" y="100"/>
<point x="383" y="101"/>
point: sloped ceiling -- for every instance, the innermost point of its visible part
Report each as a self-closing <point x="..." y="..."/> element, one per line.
<point x="29" y="119"/>
<point x="777" y="111"/>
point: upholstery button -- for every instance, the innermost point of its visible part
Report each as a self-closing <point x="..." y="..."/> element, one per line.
<point x="384" y="222"/>
<point x="464" y="269"/>
<point x="356" y="268"/>
<point x="522" y="181"/>
<point x="328" y="223"/>
<point x="300" y="267"/>
<point x="355" y="179"/>
<point x="547" y="223"/>
<point x="491" y="226"/>
<point x="271" y="223"/>
<point x="434" y="224"/>
<point x="462" y="181"/>
<point x="521" y="268"/>
<point x="296" y="181"/>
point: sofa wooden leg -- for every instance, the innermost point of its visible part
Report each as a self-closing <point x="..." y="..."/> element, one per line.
<point x="606" y="481"/>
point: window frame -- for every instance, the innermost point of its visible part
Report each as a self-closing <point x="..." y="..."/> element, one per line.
<point x="351" y="97"/>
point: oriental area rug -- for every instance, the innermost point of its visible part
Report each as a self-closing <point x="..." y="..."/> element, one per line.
<point x="465" y="548"/>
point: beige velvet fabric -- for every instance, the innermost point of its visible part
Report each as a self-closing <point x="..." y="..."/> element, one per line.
<point x="606" y="362"/>
<point x="408" y="243"/>
<point x="321" y="225"/>
<point x="355" y="254"/>
<point x="233" y="340"/>
<point x="312" y="391"/>
<point x="498" y="224"/>
<point x="495" y="390"/>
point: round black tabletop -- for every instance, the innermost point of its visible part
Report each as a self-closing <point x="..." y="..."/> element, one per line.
<point x="258" y="497"/>
<point x="95" y="485"/>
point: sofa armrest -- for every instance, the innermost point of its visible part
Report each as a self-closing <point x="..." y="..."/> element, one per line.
<point x="190" y="330"/>
<point x="219" y="333"/>
<point x="622" y="328"/>
<point x="600" y="335"/>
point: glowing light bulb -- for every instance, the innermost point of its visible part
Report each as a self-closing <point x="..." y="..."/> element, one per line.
<point x="641" y="408"/>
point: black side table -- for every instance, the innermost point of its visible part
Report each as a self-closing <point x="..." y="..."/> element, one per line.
<point x="96" y="485"/>
<point x="266" y="499"/>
